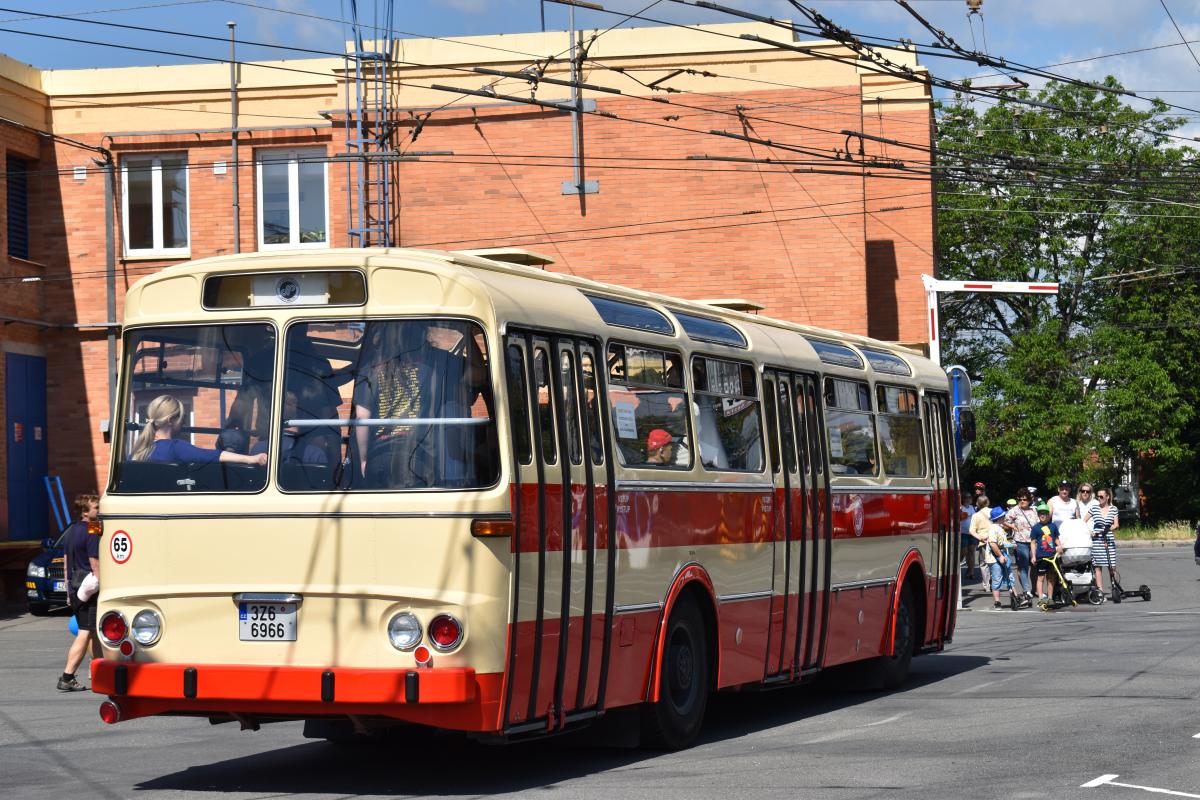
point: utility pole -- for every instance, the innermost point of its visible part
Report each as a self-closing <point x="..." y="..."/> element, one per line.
<point x="580" y="185"/>
<point x="110" y="280"/>
<point x="233" y="139"/>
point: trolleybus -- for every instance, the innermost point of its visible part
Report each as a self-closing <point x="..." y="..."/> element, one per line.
<point x="378" y="488"/>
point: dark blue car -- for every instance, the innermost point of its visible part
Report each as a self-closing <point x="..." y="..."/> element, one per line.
<point x="45" y="578"/>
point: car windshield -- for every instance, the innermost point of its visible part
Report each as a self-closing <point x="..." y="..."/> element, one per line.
<point x="198" y="409"/>
<point x="387" y="405"/>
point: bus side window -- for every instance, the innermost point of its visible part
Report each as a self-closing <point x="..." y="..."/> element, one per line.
<point x="900" y="435"/>
<point x="591" y="407"/>
<point x="850" y="426"/>
<point x="541" y="370"/>
<point x="518" y="403"/>
<point x="649" y="407"/>
<point x="728" y="426"/>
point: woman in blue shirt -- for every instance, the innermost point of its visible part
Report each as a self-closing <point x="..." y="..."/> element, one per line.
<point x="157" y="440"/>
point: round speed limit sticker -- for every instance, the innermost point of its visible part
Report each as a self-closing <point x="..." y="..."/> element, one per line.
<point x="120" y="547"/>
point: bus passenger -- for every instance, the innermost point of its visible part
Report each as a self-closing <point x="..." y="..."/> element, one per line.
<point x="157" y="442"/>
<point x="660" y="447"/>
<point x="398" y="371"/>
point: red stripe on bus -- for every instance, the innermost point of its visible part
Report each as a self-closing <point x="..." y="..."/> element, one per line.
<point x="651" y="518"/>
<point x="867" y="516"/>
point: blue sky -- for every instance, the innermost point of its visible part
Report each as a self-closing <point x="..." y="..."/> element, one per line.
<point x="1036" y="32"/>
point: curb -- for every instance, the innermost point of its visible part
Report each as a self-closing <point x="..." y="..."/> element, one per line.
<point x="1154" y="542"/>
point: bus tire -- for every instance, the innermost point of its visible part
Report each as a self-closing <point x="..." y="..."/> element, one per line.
<point x="891" y="671"/>
<point x="674" y="721"/>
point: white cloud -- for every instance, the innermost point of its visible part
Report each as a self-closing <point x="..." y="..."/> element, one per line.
<point x="292" y="28"/>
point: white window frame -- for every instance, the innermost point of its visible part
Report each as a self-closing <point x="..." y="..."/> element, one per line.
<point x="292" y="158"/>
<point x="157" y="250"/>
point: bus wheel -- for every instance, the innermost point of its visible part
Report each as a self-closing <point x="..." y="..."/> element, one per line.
<point x="674" y="721"/>
<point x="890" y="671"/>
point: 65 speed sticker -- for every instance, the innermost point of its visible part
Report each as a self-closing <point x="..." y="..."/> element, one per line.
<point x="120" y="547"/>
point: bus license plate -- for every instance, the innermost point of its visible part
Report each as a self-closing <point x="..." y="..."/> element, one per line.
<point x="267" y="622"/>
<point x="60" y="586"/>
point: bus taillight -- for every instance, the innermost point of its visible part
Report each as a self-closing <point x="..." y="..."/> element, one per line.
<point x="113" y="627"/>
<point x="445" y="632"/>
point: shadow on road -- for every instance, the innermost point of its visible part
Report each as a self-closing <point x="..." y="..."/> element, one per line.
<point x="450" y="764"/>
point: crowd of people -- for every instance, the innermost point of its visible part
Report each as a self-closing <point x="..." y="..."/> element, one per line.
<point x="1005" y="545"/>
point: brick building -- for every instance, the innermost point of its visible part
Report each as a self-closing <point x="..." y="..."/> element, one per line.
<point x="819" y="241"/>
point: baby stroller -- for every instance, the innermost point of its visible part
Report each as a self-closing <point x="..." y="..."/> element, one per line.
<point x="1075" y="564"/>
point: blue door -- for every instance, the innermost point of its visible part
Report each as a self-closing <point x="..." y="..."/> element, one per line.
<point x="25" y="435"/>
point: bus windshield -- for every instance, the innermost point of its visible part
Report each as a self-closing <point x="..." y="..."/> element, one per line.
<point x="387" y="405"/>
<point x="198" y="409"/>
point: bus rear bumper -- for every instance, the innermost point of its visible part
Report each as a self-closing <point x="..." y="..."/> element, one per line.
<point x="445" y="698"/>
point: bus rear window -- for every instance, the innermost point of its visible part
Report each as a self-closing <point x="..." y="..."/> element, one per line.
<point x="387" y="405"/>
<point x="197" y="410"/>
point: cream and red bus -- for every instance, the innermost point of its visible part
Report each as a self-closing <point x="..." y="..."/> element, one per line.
<point x="376" y="488"/>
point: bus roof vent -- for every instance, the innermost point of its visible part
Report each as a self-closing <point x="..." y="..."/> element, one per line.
<point x="734" y="304"/>
<point x="510" y="255"/>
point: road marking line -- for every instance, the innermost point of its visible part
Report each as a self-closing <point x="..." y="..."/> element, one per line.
<point x="1162" y="613"/>
<point x="1107" y="780"/>
<point x="895" y="717"/>
<point x="985" y="684"/>
<point x="1197" y="736"/>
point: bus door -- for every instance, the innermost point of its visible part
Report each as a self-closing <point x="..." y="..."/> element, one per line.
<point x="559" y="633"/>
<point x="815" y="524"/>
<point x="947" y="482"/>
<point x="802" y="567"/>
<point x="945" y="520"/>
<point x="788" y="506"/>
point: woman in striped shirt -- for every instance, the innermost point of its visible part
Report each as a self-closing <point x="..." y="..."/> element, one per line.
<point x="1104" y="546"/>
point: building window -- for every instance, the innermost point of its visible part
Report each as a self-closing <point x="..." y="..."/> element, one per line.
<point x="155" y="191"/>
<point x="18" y="207"/>
<point x="292" y="187"/>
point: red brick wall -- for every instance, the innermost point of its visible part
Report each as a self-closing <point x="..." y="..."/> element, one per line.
<point x="793" y="242"/>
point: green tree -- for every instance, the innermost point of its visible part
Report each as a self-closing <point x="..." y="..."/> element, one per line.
<point x="1085" y="190"/>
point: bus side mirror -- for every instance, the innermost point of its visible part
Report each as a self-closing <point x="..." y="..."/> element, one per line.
<point x="966" y="424"/>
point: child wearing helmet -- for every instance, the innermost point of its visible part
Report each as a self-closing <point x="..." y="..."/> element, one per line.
<point x="1046" y="545"/>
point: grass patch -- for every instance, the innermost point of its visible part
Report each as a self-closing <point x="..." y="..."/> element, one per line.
<point x="1177" y="530"/>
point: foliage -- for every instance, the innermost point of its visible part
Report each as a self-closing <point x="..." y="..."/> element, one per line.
<point x="1087" y="191"/>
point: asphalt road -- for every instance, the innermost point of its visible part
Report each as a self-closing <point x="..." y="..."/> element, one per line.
<point x="1023" y="705"/>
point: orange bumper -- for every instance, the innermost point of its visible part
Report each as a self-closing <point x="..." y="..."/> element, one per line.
<point x="447" y="698"/>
